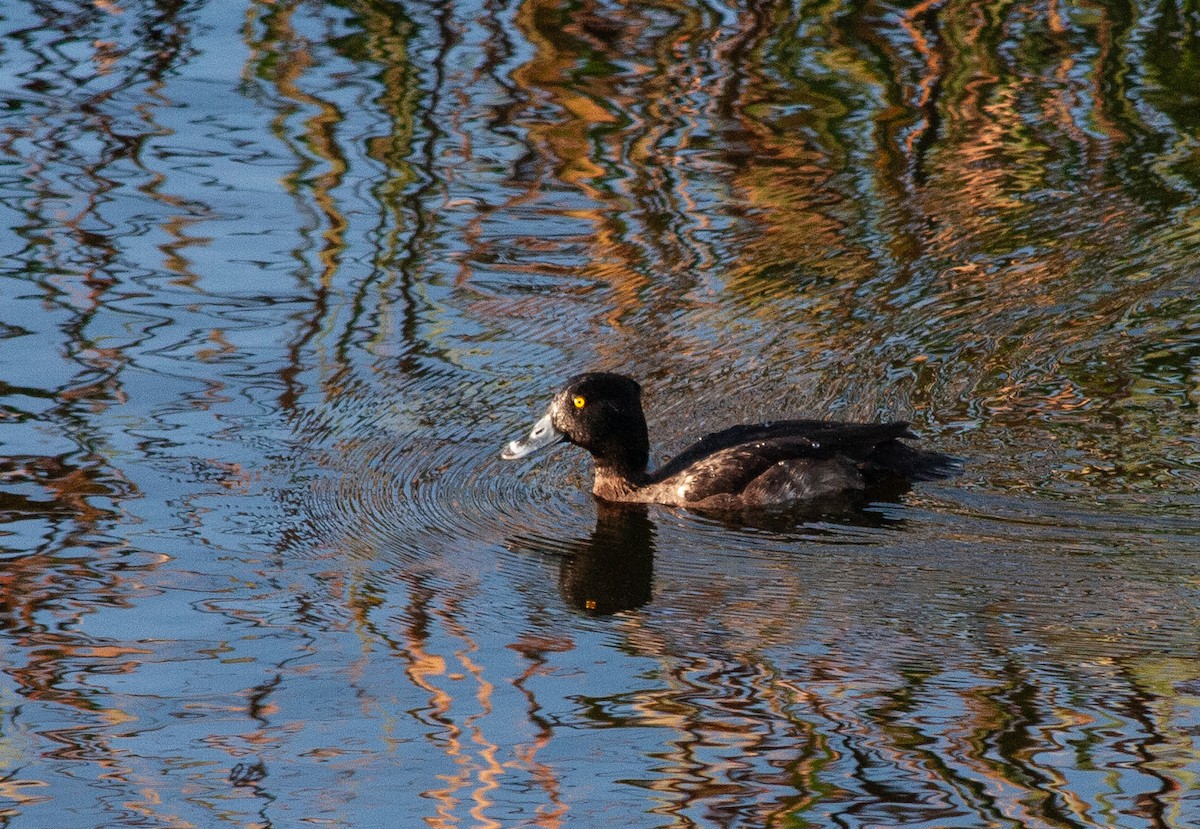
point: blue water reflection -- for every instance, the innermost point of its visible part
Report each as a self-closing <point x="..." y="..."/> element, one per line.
<point x="280" y="279"/>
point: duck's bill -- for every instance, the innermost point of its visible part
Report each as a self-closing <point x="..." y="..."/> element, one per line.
<point x="543" y="435"/>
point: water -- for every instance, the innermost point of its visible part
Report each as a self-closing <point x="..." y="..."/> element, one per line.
<point x="279" y="280"/>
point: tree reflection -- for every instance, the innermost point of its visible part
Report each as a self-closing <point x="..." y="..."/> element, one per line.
<point x="399" y="219"/>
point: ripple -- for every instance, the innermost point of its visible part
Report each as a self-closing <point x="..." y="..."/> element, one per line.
<point x="421" y="495"/>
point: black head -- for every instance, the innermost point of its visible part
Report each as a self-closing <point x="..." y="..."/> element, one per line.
<point x="600" y="411"/>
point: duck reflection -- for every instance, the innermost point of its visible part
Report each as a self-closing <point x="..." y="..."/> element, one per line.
<point x="613" y="569"/>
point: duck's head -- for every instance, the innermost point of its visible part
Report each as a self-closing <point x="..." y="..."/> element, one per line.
<point x="599" y="411"/>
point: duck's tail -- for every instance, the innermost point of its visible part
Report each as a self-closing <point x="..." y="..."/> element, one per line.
<point x="897" y="458"/>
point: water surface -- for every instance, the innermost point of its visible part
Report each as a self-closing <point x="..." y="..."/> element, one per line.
<point x="280" y="279"/>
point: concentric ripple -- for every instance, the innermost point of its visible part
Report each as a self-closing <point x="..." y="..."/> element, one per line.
<point x="428" y="489"/>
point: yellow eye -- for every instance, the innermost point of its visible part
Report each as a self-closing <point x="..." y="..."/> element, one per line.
<point x="579" y="402"/>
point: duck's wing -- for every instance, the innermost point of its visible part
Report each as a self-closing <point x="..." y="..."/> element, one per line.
<point x="805" y="438"/>
<point x="727" y="461"/>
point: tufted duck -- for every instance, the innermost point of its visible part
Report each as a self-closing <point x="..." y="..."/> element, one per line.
<point x="743" y="467"/>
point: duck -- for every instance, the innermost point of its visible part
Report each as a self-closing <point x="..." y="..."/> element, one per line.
<point x="748" y="466"/>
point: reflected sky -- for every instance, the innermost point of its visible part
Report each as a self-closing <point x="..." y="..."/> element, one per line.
<point x="280" y="279"/>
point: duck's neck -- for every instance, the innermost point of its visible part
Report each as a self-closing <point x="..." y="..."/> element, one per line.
<point x="621" y="465"/>
<point x="611" y="484"/>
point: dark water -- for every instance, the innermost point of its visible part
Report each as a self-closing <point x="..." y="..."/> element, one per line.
<point x="279" y="279"/>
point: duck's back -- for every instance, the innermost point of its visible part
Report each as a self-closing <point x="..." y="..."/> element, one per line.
<point x="785" y="461"/>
